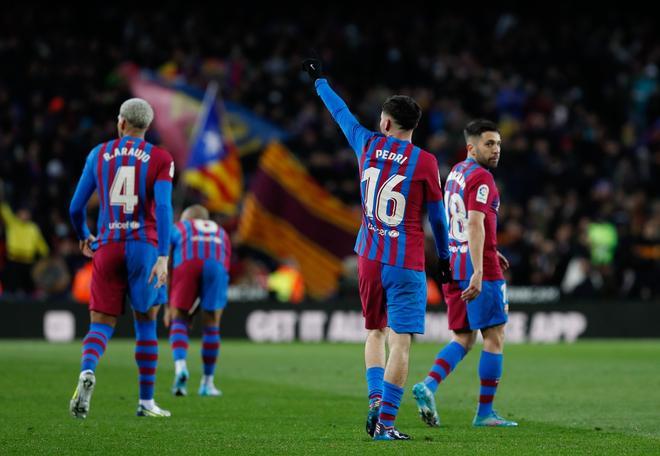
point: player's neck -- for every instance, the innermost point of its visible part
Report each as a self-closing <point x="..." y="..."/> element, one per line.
<point x="133" y="134"/>
<point x="402" y="135"/>
<point x="474" y="159"/>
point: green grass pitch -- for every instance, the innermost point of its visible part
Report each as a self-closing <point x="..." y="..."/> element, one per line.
<point x="586" y="398"/>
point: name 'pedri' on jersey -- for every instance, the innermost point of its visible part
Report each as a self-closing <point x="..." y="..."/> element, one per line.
<point x="397" y="181"/>
<point x="199" y="239"/>
<point x="471" y="187"/>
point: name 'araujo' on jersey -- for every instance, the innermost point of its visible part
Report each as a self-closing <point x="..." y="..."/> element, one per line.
<point x="199" y="239"/>
<point x="397" y="180"/>
<point x="471" y="187"/>
<point x="134" y="182"/>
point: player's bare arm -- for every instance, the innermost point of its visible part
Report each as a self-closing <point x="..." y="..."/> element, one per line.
<point x="476" y="236"/>
<point x="504" y="262"/>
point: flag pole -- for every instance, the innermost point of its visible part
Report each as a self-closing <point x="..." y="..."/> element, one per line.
<point x="207" y="102"/>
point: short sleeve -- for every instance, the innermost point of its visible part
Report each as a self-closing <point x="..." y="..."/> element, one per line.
<point x="480" y="192"/>
<point x="165" y="168"/>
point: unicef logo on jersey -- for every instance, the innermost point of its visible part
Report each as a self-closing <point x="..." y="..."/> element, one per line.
<point x="124" y="225"/>
<point x="382" y="232"/>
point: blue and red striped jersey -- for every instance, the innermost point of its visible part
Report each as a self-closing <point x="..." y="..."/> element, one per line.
<point x="471" y="187"/>
<point x="126" y="171"/>
<point x="199" y="239"/>
<point x="397" y="181"/>
<point x="131" y="177"/>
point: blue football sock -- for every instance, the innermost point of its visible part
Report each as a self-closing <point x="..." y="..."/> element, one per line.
<point x="210" y="348"/>
<point x="179" y="339"/>
<point x="375" y="383"/>
<point x="445" y="362"/>
<point x="94" y="345"/>
<point x="490" y="371"/>
<point x="392" y="395"/>
<point x="146" y="356"/>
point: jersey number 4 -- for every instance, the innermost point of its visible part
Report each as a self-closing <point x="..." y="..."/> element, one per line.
<point x="122" y="191"/>
<point x="382" y="199"/>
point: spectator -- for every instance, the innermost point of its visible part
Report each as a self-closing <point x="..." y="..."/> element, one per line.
<point x="25" y="244"/>
<point x="578" y="142"/>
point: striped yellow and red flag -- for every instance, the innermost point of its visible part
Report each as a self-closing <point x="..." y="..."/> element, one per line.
<point x="287" y="214"/>
<point x="213" y="167"/>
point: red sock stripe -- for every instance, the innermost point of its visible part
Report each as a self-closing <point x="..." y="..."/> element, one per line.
<point x="180" y="344"/>
<point x="387" y="417"/>
<point x="94" y="340"/>
<point x="209" y="360"/>
<point x="146" y="343"/>
<point x="91" y="351"/>
<point x="211" y="332"/>
<point x="145" y="357"/>
<point x="147" y="370"/>
<point x="96" y="333"/>
<point x="435" y="376"/>
<point x="486" y="398"/>
<point x="489" y="382"/>
<point x="389" y="404"/>
<point x="210" y="346"/>
<point x="146" y="383"/>
<point x="179" y="331"/>
<point x="444" y="364"/>
<point x="375" y="395"/>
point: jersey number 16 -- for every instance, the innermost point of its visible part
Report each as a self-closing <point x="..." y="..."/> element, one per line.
<point x="381" y="200"/>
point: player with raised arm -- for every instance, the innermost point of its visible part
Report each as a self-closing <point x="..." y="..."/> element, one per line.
<point x="133" y="179"/>
<point x="397" y="180"/>
<point x="477" y="300"/>
<point x="200" y="261"/>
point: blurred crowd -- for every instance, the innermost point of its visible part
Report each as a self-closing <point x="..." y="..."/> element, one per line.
<point x="577" y="101"/>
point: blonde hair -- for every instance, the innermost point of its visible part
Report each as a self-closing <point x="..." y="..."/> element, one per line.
<point x="137" y="112"/>
<point x="196" y="211"/>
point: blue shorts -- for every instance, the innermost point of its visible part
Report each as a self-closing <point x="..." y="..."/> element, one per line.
<point x="490" y="307"/>
<point x="392" y="296"/>
<point x="121" y="268"/>
<point x="162" y="295"/>
<point x="215" y="282"/>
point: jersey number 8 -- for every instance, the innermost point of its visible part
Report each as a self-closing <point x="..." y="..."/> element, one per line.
<point x="457" y="216"/>
<point x="206" y="226"/>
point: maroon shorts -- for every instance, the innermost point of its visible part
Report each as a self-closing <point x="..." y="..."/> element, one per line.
<point x="372" y="293"/>
<point x="186" y="281"/>
<point x="121" y="268"/>
<point x="456" y="307"/>
<point x="206" y="279"/>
